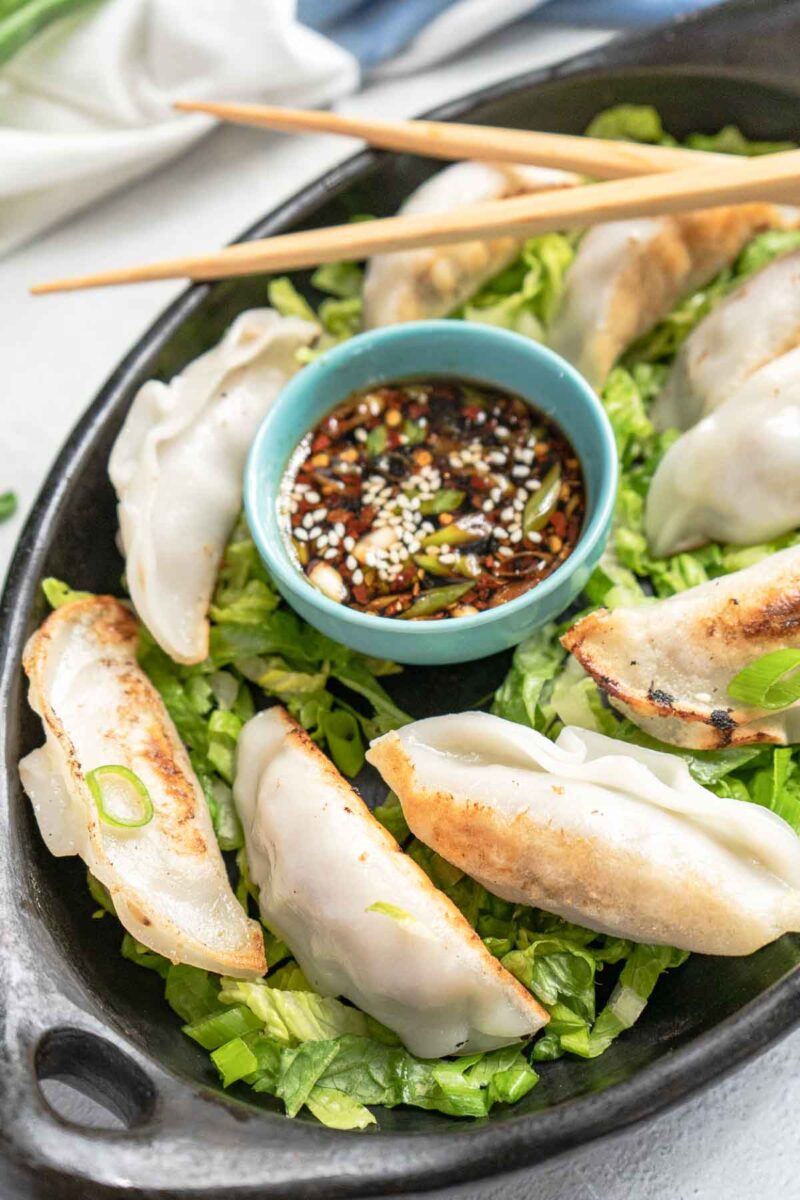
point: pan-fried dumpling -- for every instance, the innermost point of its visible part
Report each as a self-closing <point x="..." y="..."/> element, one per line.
<point x="667" y="665"/>
<point x="166" y="878"/>
<point x="177" y="469"/>
<point x="609" y="835"/>
<point x="415" y="285"/>
<point x="627" y="275"/>
<point x="755" y="324"/>
<point x="361" y="918"/>
<point x="735" y="476"/>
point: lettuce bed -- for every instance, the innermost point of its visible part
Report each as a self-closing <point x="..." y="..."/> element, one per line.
<point x="277" y="1035"/>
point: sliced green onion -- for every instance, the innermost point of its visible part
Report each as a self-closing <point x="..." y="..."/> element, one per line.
<point x="436" y="599"/>
<point x="95" y="788"/>
<point x="763" y="683"/>
<point x="414" y="432"/>
<point x="472" y="528"/>
<point x="431" y="565"/>
<point x="377" y="440"/>
<point x="542" y="503"/>
<point x="445" y="500"/>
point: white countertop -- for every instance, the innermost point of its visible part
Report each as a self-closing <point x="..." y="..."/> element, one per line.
<point x="739" y="1140"/>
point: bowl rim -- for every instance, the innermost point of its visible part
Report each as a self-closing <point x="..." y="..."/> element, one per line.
<point x="265" y="524"/>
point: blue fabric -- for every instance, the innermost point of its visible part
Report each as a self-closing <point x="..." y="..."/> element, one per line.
<point x="377" y="30"/>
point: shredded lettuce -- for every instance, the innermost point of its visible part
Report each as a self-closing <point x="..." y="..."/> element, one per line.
<point x="525" y="296"/>
<point x="277" y="1035"/>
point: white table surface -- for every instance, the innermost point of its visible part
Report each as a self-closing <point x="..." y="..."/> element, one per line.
<point x="738" y="1141"/>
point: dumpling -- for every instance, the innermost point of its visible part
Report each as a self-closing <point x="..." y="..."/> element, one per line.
<point x="667" y="665"/>
<point x="361" y="918"/>
<point x="414" y="285"/>
<point x="627" y="275"/>
<point x="755" y="324"/>
<point x="177" y="469"/>
<point x="612" y="836"/>
<point x="735" y="476"/>
<point x="166" y="878"/>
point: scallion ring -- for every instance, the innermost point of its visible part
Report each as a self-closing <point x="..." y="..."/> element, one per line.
<point x="95" y="787"/>
<point x="764" y="683"/>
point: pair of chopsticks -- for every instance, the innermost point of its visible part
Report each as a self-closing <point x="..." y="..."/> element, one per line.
<point x="642" y="181"/>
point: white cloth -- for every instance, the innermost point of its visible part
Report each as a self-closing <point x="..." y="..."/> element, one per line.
<point x="88" y="105"/>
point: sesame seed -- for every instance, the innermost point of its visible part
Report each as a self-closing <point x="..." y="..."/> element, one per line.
<point x="500" y="533"/>
<point x="505" y="551"/>
<point x="313" y="497"/>
<point x="534" y="537"/>
<point x="516" y="536"/>
<point x="487" y="505"/>
<point x="308" y="521"/>
<point x="349" y="542"/>
<point x="360" y="434"/>
<point x="321" y="541"/>
<point x="507" y="514"/>
<point x="520" y="472"/>
<point x="339" y="528"/>
<point x="329" y="554"/>
<point x="300" y="534"/>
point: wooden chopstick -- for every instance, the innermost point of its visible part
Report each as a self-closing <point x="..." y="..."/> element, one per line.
<point x="775" y="177"/>
<point x="443" y="139"/>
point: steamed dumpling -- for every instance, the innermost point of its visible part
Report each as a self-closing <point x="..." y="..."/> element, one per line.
<point x="627" y="275"/>
<point x="735" y="476"/>
<point x="609" y="835"/>
<point x="755" y="324"/>
<point x="414" y="285"/>
<point x="361" y="918"/>
<point x="667" y="665"/>
<point x="166" y="879"/>
<point x="177" y="469"/>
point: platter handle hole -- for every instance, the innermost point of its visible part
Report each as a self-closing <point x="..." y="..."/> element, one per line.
<point x="89" y="1082"/>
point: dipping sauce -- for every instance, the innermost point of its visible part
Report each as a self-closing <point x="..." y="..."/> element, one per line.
<point x="431" y="499"/>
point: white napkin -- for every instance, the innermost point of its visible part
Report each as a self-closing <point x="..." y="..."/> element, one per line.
<point x="87" y="107"/>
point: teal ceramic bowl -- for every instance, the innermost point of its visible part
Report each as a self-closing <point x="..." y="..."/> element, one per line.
<point x="479" y="353"/>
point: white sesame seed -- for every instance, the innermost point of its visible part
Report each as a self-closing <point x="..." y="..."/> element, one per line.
<point x="313" y="497"/>
<point x="500" y="533"/>
<point x="534" y="536"/>
<point x="308" y="521"/>
<point x="501" y="431"/>
<point x="349" y="542"/>
<point x="320" y="514"/>
<point x="520" y="472"/>
<point x="497" y="458"/>
<point x="447" y="557"/>
<point x="322" y="540"/>
<point x="487" y="505"/>
<point x="533" y="485"/>
<point x="496" y="493"/>
<point x="300" y="534"/>
<point x="339" y="528"/>
<point x="507" y="514"/>
<point x="330" y="553"/>
<point x="505" y="551"/>
<point x="333" y="538"/>
<point x="516" y="536"/>
<point x="360" y="435"/>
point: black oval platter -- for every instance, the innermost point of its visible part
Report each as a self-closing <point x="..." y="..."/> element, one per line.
<point x="73" y="1009"/>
